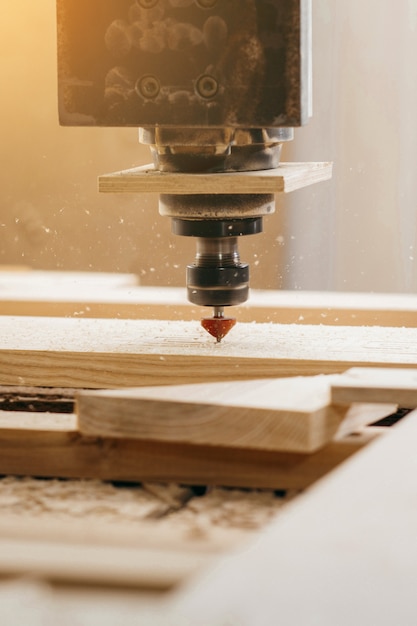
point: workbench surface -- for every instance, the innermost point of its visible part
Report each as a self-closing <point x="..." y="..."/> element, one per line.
<point x="342" y="552"/>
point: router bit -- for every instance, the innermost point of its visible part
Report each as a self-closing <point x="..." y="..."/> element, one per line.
<point x="218" y="326"/>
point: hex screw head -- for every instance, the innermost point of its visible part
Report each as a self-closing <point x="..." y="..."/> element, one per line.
<point x="148" y="87"/>
<point x="207" y="86"/>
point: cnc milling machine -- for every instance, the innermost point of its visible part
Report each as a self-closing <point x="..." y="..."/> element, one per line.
<point x="214" y="86"/>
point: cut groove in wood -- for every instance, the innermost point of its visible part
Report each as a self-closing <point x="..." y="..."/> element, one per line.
<point x="145" y="179"/>
<point x="363" y="384"/>
<point x="50" y="446"/>
<point x="287" y="415"/>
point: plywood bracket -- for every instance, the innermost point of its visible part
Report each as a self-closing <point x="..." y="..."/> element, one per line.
<point x="283" y="179"/>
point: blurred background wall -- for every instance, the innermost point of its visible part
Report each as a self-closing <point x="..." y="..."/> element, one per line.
<point x="51" y="216"/>
<point x="357" y="232"/>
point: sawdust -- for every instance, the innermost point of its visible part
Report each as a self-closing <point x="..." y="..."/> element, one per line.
<point x="87" y="499"/>
<point x="228" y="509"/>
<point x="166" y="506"/>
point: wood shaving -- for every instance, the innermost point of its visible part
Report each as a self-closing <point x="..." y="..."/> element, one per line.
<point x="87" y="499"/>
<point x="164" y="505"/>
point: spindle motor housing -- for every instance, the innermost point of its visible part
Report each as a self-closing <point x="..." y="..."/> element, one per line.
<point x="198" y="63"/>
<point x="213" y="85"/>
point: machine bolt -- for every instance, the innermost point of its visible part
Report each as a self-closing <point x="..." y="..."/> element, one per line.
<point x="207" y="86"/>
<point x="148" y="87"/>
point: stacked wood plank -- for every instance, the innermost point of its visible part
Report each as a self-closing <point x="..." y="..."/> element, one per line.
<point x="148" y="535"/>
<point x="344" y="553"/>
<point x="102" y="353"/>
<point x="287" y="415"/>
<point x="51" y="446"/>
<point x="242" y="424"/>
<point x="81" y="294"/>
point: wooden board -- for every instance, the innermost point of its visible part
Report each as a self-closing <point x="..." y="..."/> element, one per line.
<point x="101" y="353"/>
<point x="98" y="565"/>
<point x="62" y="531"/>
<point x="35" y="280"/>
<point x="169" y="529"/>
<point x="49" y="445"/>
<point x="363" y="384"/>
<point x="145" y="179"/>
<point x="343" y="553"/>
<point x="81" y="295"/>
<point x="287" y="414"/>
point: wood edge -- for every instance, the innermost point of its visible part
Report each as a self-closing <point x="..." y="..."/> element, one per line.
<point x="406" y="398"/>
<point x="54" y="530"/>
<point x="284" y="310"/>
<point x="64" y="454"/>
<point x="102" y="565"/>
<point x="295" y="430"/>
<point x="149" y="168"/>
<point x="285" y="180"/>
<point x="365" y="526"/>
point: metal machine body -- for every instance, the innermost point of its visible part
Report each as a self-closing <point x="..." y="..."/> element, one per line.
<point x="213" y="85"/>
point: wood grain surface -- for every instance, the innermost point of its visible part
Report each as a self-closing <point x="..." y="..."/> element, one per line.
<point x="119" y="296"/>
<point x="363" y="384"/>
<point x="145" y="179"/>
<point x="102" y="353"/>
<point x="343" y="553"/>
<point x="86" y="295"/>
<point x="49" y="445"/>
<point x="287" y="414"/>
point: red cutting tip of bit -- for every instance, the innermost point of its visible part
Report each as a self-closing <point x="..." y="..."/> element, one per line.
<point x="218" y="327"/>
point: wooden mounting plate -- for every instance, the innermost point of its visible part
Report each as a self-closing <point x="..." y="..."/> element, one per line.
<point x="285" y="178"/>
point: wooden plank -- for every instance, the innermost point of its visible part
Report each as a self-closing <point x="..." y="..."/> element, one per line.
<point x="83" y="531"/>
<point x="151" y="515"/>
<point x="151" y="534"/>
<point x="101" y="353"/>
<point x="14" y="268"/>
<point x="363" y="384"/>
<point x="107" y="521"/>
<point x="145" y="179"/>
<point x="287" y="414"/>
<point x="74" y="531"/>
<point x="140" y="514"/>
<point x="35" y="280"/>
<point x="344" y="553"/>
<point x="47" y="296"/>
<point x="98" y="565"/>
<point x="49" y="445"/>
